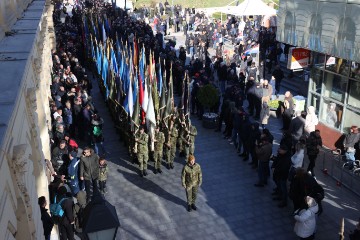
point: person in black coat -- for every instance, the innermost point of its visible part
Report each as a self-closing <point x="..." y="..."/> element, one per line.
<point x="281" y="166"/>
<point x="297" y="128"/>
<point x="47" y="221"/>
<point x="254" y="138"/>
<point x="67" y="221"/>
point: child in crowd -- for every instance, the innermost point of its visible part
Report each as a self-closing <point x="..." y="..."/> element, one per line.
<point x="103" y="170"/>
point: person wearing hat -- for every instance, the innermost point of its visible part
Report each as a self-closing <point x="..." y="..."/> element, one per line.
<point x="159" y="141"/>
<point x="191" y="178"/>
<point x="142" y="140"/>
<point x="281" y="167"/>
<point x="171" y="138"/>
<point x="188" y="139"/>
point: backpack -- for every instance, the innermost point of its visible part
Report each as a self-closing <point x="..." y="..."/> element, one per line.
<point x="97" y="131"/>
<point x="56" y="210"/>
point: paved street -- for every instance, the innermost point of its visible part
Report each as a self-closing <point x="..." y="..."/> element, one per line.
<point x="229" y="206"/>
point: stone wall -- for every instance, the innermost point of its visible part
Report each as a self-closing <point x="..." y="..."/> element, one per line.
<point x="25" y="64"/>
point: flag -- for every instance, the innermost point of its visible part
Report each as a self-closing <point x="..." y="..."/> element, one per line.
<point x="129" y="100"/>
<point x="160" y="79"/>
<point x="169" y="99"/>
<point x="145" y="102"/>
<point x="99" y="58"/>
<point x="113" y="62"/>
<point x="103" y="33"/>
<point x="150" y="112"/>
<point x="135" y="116"/>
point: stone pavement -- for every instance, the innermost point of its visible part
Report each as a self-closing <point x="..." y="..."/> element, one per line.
<point x="229" y="206"/>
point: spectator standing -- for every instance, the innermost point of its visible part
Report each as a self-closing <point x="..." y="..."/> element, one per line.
<point x="311" y="120"/>
<point x="47" y="221"/>
<point x="288" y="110"/>
<point x="306" y="219"/>
<point x="67" y="221"/>
<point x="296" y="128"/>
<point x="313" y="144"/>
<point x="349" y="143"/>
<point x="281" y="166"/>
<point x="263" y="151"/>
<point x="265" y="112"/>
<point x="73" y="173"/>
<point x="89" y="171"/>
<point x="278" y="74"/>
<point x="103" y="172"/>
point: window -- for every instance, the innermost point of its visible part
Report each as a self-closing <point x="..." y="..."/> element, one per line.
<point x="331" y="113"/>
<point x="354" y="94"/>
<point x="337" y="65"/>
<point x="316" y="77"/>
<point x="334" y="86"/>
<point x="355" y="70"/>
<point x="351" y="118"/>
<point x="314" y="100"/>
<point x="317" y="59"/>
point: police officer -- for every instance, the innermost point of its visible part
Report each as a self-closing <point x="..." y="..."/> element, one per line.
<point x="142" y="139"/>
<point x="159" y="140"/>
<point x="191" y="179"/>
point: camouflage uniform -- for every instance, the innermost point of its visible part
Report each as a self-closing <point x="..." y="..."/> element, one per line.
<point x="158" y="149"/>
<point x="188" y="139"/>
<point x="171" y="150"/>
<point x="142" y="150"/>
<point x="191" y="179"/>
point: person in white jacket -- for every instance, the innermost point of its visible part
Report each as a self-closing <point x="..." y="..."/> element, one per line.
<point x="311" y="121"/>
<point x="305" y="224"/>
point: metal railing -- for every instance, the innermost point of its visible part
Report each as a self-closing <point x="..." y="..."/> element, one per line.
<point x="334" y="164"/>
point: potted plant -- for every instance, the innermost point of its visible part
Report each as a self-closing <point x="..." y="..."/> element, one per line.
<point x="209" y="99"/>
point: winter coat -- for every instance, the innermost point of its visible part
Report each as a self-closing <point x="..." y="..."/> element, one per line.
<point x="297" y="127"/>
<point x="311" y="120"/>
<point x="191" y="176"/>
<point x="281" y="166"/>
<point x="47" y="221"/>
<point x="297" y="159"/>
<point x="264" y="113"/>
<point x="59" y="159"/>
<point x="103" y="171"/>
<point x="351" y="139"/>
<point x="312" y="144"/>
<point x="306" y="221"/>
<point x="73" y="173"/>
<point x="89" y="166"/>
<point x="264" y="152"/>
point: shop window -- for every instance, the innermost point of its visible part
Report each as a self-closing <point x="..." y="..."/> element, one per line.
<point x="354" y="94"/>
<point x="337" y="65"/>
<point x="318" y="59"/>
<point x="355" y="70"/>
<point x="334" y="86"/>
<point x="331" y="113"/>
<point x="316" y="77"/>
<point x="314" y="100"/>
<point x="351" y="119"/>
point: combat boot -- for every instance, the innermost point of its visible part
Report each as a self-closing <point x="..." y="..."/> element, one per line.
<point x="141" y="174"/>
<point x="189" y="208"/>
<point x="144" y="172"/>
<point x="155" y="171"/>
<point x="168" y="166"/>
<point x="159" y="170"/>
<point x="171" y="165"/>
<point x="193" y="207"/>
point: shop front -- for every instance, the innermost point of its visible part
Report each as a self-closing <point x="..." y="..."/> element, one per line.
<point x="334" y="91"/>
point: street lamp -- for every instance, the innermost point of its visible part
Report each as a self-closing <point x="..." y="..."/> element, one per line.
<point x="100" y="219"/>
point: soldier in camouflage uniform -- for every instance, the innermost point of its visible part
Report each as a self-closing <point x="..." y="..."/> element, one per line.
<point x="159" y="140"/>
<point x="171" y="138"/>
<point x="142" y="139"/>
<point x="188" y="139"/>
<point x="191" y="178"/>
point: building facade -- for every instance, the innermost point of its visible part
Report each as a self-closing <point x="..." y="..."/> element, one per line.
<point x="26" y="39"/>
<point x="328" y="29"/>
